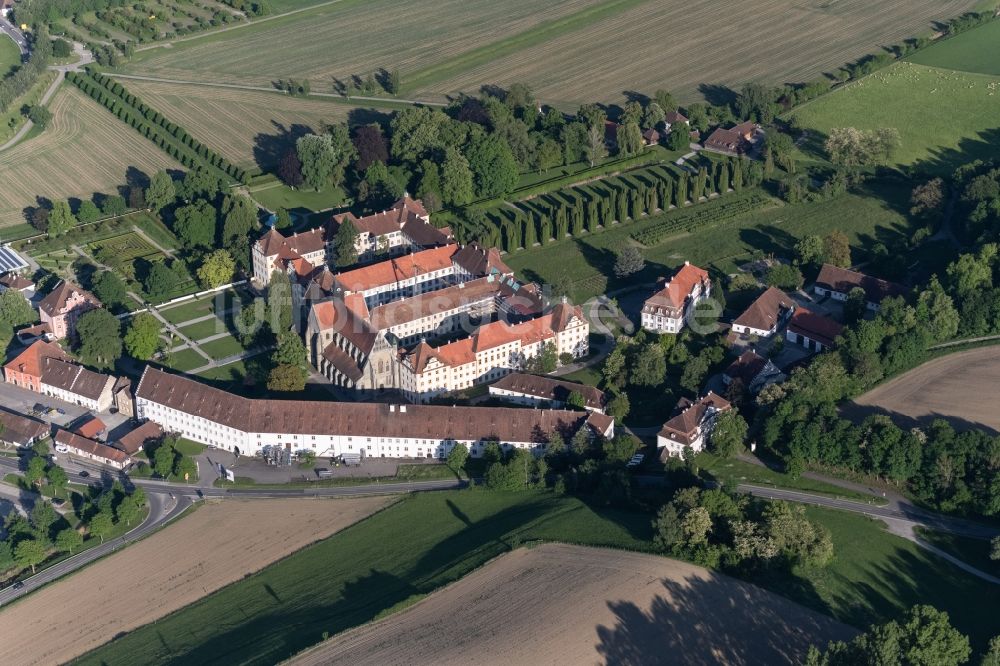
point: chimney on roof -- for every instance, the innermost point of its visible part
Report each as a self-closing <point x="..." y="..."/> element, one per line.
<point x="402" y="409"/>
<point x="687" y="263"/>
<point x="392" y="408"/>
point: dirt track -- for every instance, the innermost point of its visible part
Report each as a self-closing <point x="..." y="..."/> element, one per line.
<point x="215" y="546"/>
<point x="958" y="387"/>
<point x="574" y="605"/>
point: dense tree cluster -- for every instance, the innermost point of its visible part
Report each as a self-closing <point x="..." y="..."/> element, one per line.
<point x="952" y="471"/>
<point x="715" y="528"/>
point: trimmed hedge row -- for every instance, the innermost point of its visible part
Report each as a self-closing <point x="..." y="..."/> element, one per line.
<point x="149" y="122"/>
<point x="587" y="208"/>
<point x="699" y="218"/>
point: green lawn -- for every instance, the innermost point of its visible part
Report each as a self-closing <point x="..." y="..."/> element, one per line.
<point x="10" y="56"/>
<point x="223" y="347"/>
<point x="153" y="227"/>
<point x="971" y="551"/>
<point x="731" y="472"/>
<point x="364" y="571"/>
<point x="186" y="359"/>
<point x="876" y="212"/>
<point x="876" y="576"/>
<point x="204" y="329"/>
<point x="188" y="448"/>
<point x="274" y="196"/>
<point x="945" y="118"/>
<point x="977" y="50"/>
<point x="188" y="310"/>
<point x="234" y="372"/>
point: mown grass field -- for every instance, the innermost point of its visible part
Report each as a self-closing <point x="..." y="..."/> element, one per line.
<point x="249" y="128"/>
<point x="12" y="119"/>
<point x="10" y="56"/>
<point x="351" y="37"/>
<point x="382" y="565"/>
<point x="976" y="51"/>
<point x="876" y="213"/>
<point x="945" y="118"/>
<point x="84" y="151"/>
<point x="569" y="51"/>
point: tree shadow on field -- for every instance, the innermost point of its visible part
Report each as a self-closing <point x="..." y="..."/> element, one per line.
<point x="717" y="94"/>
<point x="713" y="620"/>
<point x="269" y="147"/>
<point x="135" y="177"/>
<point x="635" y="96"/>
<point x="769" y="239"/>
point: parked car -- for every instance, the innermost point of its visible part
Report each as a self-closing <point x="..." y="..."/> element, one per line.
<point x="84" y="474"/>
<point x="323" y="472"/>
<point x="58" y="501"/>
<point x="636" y="460"/>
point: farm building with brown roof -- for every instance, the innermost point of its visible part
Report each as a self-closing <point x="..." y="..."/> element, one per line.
<point x="813" y="331"/>
<point x="765" y="315"/>
<point x="838" y="283"/>
<point x="691" y="426"/>
<point x="214" y="417"/>
<point x="528" y="389"/>
<point x="88" y="449"/>
<point x="19" y="430"/>
<point x="753" y="371"/>
<point x="738" y="140"/>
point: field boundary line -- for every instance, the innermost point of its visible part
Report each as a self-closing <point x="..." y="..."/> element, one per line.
<point x="337" y="97"/>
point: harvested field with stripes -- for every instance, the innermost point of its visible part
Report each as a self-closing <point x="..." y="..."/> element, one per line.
<point x="249" y="128"/>
<point x="351" y="37"/>
<point x="569" y="51"/>
<point x="599" y="606"/>
<point x="84" y="150"/>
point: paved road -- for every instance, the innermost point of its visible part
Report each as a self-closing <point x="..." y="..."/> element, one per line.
<point x="11" y="31"/>
<point x="162" y="509"/>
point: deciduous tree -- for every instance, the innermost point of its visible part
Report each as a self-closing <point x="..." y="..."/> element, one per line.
<point x="69" y="540"/>
<point x="142" y="339"/>
<point x="29" y="553"/>
<point x="457" y="457"/>
<point x="101" y="525"/>
<point x="456" y="178"/>
<point x="217" y="269"/>
<point x="286" y="378"/>
<point x="15" y="310"/>
<point x="729" y="433"/>
<point x="195" y="224"/>
<point x="161" y="191"/>
<point x="99" y="334"/>
<point x="61" y="218"/>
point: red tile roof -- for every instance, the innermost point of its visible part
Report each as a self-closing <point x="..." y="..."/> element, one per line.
<point x="814" y="326"/>
<point x="91" y="428"/>
<point x="30" y="361"/>
<point x="675" y="293"/>
<point x="402" y="268"/>
<point x="433" y="302"/>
